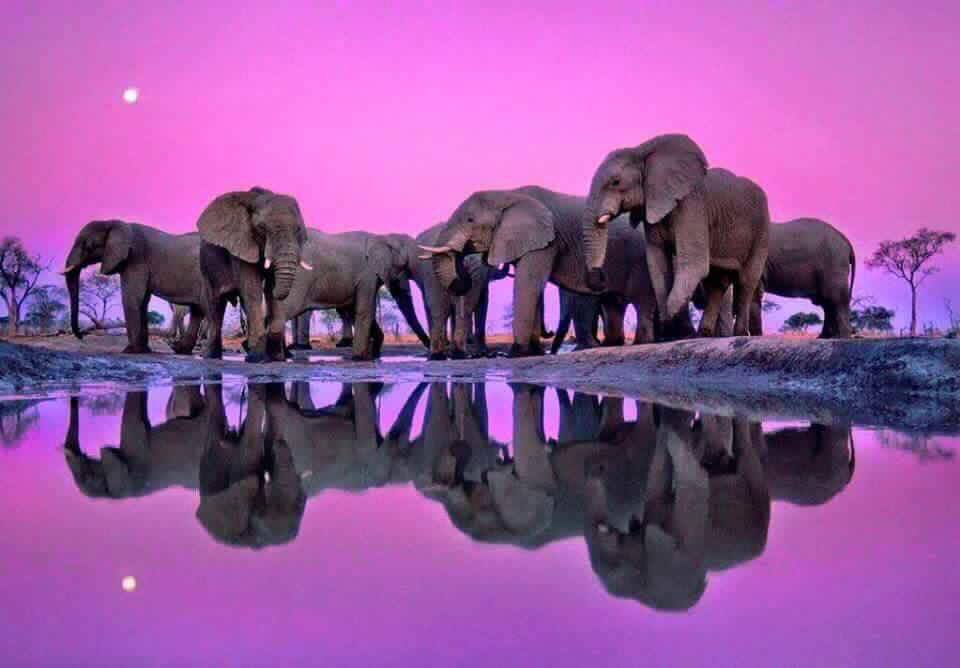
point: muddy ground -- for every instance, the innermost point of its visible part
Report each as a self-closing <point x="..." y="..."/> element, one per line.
<point x="910" y="384"/>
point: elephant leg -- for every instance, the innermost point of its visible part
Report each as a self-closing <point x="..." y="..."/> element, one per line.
<point x="215" y="310"/>
<point x="725" y="317"/>
<point x="714" y="288"/>
<point x="742" y="302"/>
<point x="586" y="314"/>
<point x="366" y="308"/>
<point x="841" y="319"/>
<point x="437" y="307"/>
<point x="613" y="332"/>
<point x="461" y="322"/>
<point x="563" y="326"/>
<point x="135" y="300"/>
<point x="276" y="331"/>
<point x="756" y="314"/>
<point x="186" y="343"/>
<point x="542" y="321"/>
<point x="658" y="264"/>
<point x="346" y="332"/>
<point x="480" y="320"/>
<point x="301" y="332"/>
<point x="646" y="318"/>
<point x="532" y="271"/>
<point x="251" y="296"/>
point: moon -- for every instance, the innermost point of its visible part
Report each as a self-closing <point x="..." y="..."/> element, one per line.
<point x="128" y="584"/>
<point x="131" y="95"/>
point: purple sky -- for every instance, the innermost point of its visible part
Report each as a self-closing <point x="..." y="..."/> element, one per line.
<point x="385" y="119"/>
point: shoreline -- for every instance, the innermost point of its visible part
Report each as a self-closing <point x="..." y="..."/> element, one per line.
<point x="901" y="383"/>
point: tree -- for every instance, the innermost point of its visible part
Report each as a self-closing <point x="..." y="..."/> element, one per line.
<point x="47" y="307"/>
<point x="872" y="318"/>
<point x="155" y="318"/>
<point x="508" y="316"/>
<point x="953" y="331"/>
<point x="19" y="274"/>
<point x="907" y="260"/>
<point x="769" y="306"/>
<point x="98" y="294"/>
<point x="330" y="322"/>
<point x="799" y="322"/>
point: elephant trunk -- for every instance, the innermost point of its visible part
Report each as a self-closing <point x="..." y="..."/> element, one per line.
<point x="594" y="246"/>
<point x="285" y="272"/>
<point x="405" y="303"/>
<point x="444" y="266"/>
<point x="73" y="287"/>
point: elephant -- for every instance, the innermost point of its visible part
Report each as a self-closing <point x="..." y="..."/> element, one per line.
<point x="346" y="272"/>
<point x="808" y="466"/>
<point x="810" y="258"/>
<point x="538" y="230"/>
<point x="700" y="225"/>
<point x="442" y="308"/>
<point x="251" y="494"/>
<point x="252" y="246"/>
<point x="149" y="458"/>
<point x="180" y="328"/>
<point x="705" y="507"/>
<point x="149" y="262"/>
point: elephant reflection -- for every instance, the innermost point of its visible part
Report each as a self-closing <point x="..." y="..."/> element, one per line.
<point x="809" y="466"/>
<point x="705" y="507"/>
<point x="149" y="458"/>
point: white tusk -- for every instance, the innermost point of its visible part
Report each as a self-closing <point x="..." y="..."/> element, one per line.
<point x="425" y="256"/>
<point x="308" y="267"/>
<point x="266" y="263"/>
<point x="604" y="219"/>
<point x="437" y="250"/>
<point x="68" y="269"/>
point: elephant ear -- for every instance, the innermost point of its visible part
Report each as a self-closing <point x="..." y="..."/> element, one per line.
<point x="228" y="222"/>
<point x="525" y="226"/>
<point x="674" y="166"/>
<point x="381" y="256"/>
<point x="117" y="249"/>
<point x="525" y="510"/>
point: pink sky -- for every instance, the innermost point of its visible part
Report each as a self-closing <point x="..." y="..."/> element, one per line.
<point x="385" y="119"/>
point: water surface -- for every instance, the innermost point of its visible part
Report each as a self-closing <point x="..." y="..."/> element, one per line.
<point x="466" y="525"/>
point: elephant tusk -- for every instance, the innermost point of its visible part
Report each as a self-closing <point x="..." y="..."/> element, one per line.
<point x="437" y="250"/>
<point x="266" y="263"/>
<point x="604" y="219"/>
<point x="308" y="267"/>
<point x="68" y="269"/>
<point x="425" y="256"/>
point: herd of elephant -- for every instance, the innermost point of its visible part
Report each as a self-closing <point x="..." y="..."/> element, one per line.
<point x="657" y="230"/>
<point x="661" y="500"/>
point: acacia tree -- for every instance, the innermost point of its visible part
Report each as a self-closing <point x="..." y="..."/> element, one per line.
<point x="907" y="260"/>
<point x="47" y="307"/>
<point x="19" y="274"/>
<point x="799" y="322"/>
<point x="98" y="295"/>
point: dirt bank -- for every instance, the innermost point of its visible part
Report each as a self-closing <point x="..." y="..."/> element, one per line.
<point x="905" y="383"/>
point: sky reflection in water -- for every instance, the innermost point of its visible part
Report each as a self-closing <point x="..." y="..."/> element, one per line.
<point x="464" y="525"/>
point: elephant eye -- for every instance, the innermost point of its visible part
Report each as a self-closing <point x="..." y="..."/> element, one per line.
<point x="615" y="182"/>
<point x="469" y="219"/>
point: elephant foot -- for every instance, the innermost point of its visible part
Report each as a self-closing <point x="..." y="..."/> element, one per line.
<point x="612" y="343"/>
<point x="300" y="346"/>
<point x="345" y="342"/>
<point x="136" y="350"/>
<point x="179" y="348"/>
<point x="458" y="354"/>
<point x="547" y="334"/>
<point x="256" y="357"/>
<point x="365" y="357"/>
<point x="516" y="350"/>
<point x="437" y="357"/>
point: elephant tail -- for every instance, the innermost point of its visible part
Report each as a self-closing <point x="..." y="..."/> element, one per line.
<point x="853" y="267"/>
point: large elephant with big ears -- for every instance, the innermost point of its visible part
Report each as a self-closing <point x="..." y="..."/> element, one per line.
<point x="253" y="244"/>
<point x="701" y="225"/>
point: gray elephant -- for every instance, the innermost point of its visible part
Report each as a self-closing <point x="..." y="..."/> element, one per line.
<point x="149" y="458"/>
<point x="346" y="272"/>
<point x="251" y="493"/>
<point x="705" y="507"/>
<point x="446" y="312"/>
<point x="252" y="248"/>
<point x="584" y="311"/>
<point x="149" y="262"/>
<point x="808" y="466"/>
<point x="701" y="225"/>
<point x="810" y="258"/>
<point x="538" y="230"/>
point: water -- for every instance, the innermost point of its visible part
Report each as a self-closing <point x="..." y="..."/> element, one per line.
<point x="465" y="525"/>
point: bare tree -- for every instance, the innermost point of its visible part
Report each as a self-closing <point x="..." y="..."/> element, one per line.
<point x="907" y="260"/>
<point x="47" y="307"/>
<point x="98" y="295"/>
<point x="19" y="273"/>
